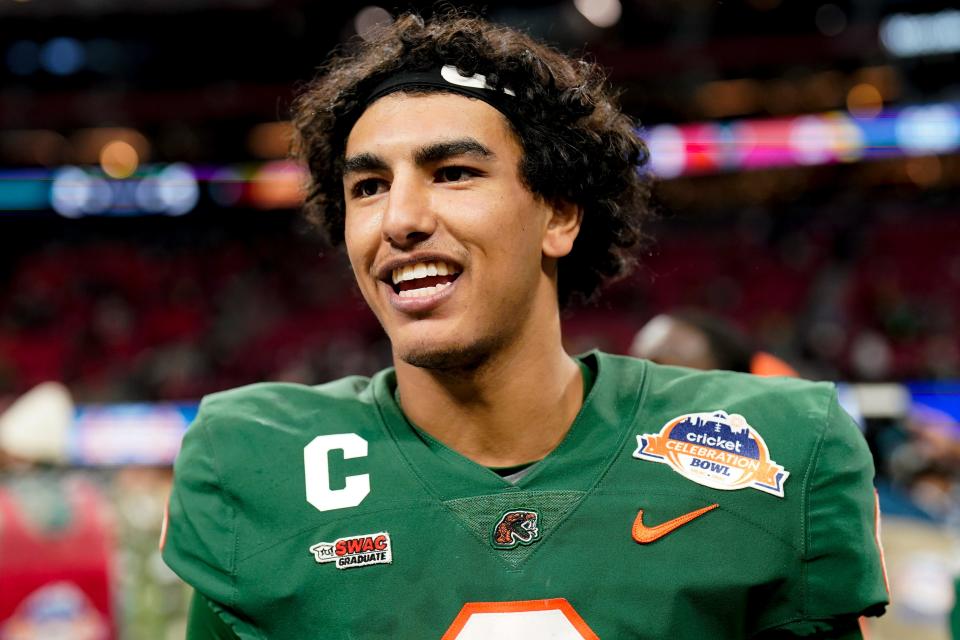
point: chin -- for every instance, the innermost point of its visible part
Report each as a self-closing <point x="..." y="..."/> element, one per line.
<point x="459" y="356"/>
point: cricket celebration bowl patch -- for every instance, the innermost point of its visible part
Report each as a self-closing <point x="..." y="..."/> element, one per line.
<point x="716" y="450"/>
<point x="355" y="551"/>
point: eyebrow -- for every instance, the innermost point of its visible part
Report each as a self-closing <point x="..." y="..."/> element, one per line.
<point x="451" y="148"/>
<point x="363" y="162"/>
<point x="422" y="156"/>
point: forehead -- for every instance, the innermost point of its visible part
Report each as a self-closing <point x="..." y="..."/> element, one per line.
<point x="402" y="122"/>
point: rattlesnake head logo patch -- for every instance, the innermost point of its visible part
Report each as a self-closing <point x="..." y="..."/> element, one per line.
<point x="517" y="526"/>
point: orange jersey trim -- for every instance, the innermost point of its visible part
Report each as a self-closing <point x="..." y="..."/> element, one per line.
<point x="520" y="606"/>
<point x="876" y="535"/>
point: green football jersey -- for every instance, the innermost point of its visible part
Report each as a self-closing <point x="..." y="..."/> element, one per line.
<point x="681" y="504"/>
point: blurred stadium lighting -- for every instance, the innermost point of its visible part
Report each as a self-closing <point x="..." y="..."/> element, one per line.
<point x="147" y="194"/>
<point x="725" y="98"/>
<point x="70" y="192"/>
<point x="23" y="57"/>
<point x="668" y="151"/>
<point x="883" y="77"/>
<point x="864" y="101"/>
<point x="830" y="20"/>
<point x="88" y="144"/>
<point x="63" y="56"/>
<point x="33" y="147"/>
<point x="177" y="189"/>
<point x="907" y="35"/>
<point x="75" y="193"/>
<point x="706" y="147"/>
<point x="764" y="143"/>
<point x="170" y="190"/>
<point x="824" y="139"/>
<point x="924" y="171"/>
<point x="270" y="140"/>
<point x="226" y="186"/>
<point x="600" y="13"/>
<point x="928" y="129"/>
<point x="810" y="140"/>
<point x="676" y="149"/>
<point x="25" y="190"/>
<point x="369" y="19"/>
<point x="277" y="185"/>
<point x="823" y="90"/>
<point x="119" y="159"/>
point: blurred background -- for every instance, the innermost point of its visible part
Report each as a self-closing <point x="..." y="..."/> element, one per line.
<point x="808" y="156"/>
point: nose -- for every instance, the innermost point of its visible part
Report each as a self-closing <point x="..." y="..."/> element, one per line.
<point x="409" y="218"/>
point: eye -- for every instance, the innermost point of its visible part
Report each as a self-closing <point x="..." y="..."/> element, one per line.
<point x="454" y="174"/>
<point x="367" y="188"/>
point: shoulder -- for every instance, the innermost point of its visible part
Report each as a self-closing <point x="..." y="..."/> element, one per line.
<point x="286" y="396"/>
<point x="244" y="435"/>
<point x="719" y="390"/>
<point x="796" y="425"/>
<point x="731" y="383"/>
<point x="276" y="408"/>
<point x="240" y="472"/>
<point x="772" y="400"/>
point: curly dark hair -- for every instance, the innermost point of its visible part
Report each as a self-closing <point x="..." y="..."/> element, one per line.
<point x="577" y="144"/>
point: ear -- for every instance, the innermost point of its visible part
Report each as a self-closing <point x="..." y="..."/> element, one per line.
<point x="563" y="225"/>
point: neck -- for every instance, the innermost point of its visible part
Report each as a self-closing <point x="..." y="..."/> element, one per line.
<point x="514" y="408"/>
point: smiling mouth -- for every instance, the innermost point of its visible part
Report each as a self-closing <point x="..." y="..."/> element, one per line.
<point x="423" y="279"/>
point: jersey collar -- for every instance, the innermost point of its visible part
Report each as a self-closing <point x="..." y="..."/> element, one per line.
<point x="596" y="437"/>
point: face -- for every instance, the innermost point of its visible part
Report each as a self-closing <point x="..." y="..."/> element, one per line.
<point x="451" y="251"/>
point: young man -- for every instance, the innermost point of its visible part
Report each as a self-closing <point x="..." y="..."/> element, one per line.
<point x="489" y="483"/>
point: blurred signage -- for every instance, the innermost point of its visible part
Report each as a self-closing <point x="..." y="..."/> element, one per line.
<point x="76" y="192"/>
<point x="675" y="150"/>
<point x="807" y="140"/>
<point x="936" y="406"/>
<point x="121" y="434"/>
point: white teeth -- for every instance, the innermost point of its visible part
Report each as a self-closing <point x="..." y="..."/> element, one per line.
<point x="424" y="291"/>
<point x="422" y="270"/>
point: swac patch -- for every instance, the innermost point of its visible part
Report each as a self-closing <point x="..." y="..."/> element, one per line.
<point x="716" y="450"/>
<point x="355" y="551"/>
<point x="517" y="526"/>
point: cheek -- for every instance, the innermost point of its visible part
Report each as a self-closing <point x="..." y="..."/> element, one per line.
<point x="519" y="233"/>
<point x="360" y="236"/>
<point x="511" y="247"/>
<point x="506" y="223"/>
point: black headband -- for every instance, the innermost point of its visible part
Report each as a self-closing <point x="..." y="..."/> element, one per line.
<point x="448" y="79"/>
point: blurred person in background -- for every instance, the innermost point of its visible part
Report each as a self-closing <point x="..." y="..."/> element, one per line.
<point x="702" y="341"/>
<point x="480" y="181"/>
<point x="56" y="537"/>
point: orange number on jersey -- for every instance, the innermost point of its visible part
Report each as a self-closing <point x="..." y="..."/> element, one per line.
<point x="553" y="618"/>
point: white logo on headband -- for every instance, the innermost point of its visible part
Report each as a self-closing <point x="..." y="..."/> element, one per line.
<point x="476" y="81"/>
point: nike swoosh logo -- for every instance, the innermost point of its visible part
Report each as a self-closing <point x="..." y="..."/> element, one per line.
<point x="645" y="535"/>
